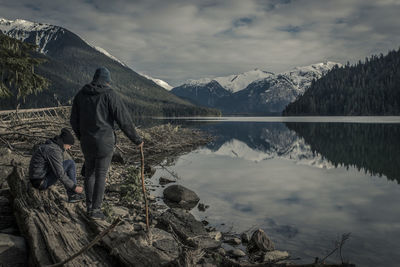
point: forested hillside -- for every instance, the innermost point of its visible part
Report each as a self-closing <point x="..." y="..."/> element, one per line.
<point x="366" y="88"/>
<point x="71" y="63"/>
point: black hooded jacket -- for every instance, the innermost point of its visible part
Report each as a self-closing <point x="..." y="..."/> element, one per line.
<point x="95" y="109"/>
<point x="48" y="158"/>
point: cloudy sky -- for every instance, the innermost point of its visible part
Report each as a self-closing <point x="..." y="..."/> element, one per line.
<point x="189" y="39"/>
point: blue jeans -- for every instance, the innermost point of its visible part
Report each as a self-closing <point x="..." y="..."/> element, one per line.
<point x="70" y="170"/>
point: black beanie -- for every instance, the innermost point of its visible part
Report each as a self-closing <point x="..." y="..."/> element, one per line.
<point x="102" y="75"/>
<point x="67" y="137"/>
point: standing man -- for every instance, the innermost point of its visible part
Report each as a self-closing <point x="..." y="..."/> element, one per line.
<point x="95" y="109"/>
<point x="48" y="165"/>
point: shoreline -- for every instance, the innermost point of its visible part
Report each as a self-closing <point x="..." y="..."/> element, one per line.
<point x="122" y="199"/>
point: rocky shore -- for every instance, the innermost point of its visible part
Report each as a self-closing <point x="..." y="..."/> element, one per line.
<point x="43" y="229"/>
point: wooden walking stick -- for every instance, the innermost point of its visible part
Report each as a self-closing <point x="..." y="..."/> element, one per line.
<point x="144" y="190"/>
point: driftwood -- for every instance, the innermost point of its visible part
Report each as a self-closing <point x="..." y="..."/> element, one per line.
<point x="57" y="231"/>
<point x="53" y="228"/>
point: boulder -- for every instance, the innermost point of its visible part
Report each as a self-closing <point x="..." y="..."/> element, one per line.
<point x="237" y="253"/>
<point x="187" y="228"/>
<point x="275" y="256"/>
<point x="13" y="251"/>
<point x="178" y="196"/>
<point x="260" y="242"/>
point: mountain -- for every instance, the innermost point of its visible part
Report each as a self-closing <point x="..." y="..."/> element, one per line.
<point x="236" y="82"/>
<point x="366" y="88"/>
<point x="207" y="94"/>
<point x="159" y="82"/>
<point x="72" y="63"/>
<point x="256" y="92"/>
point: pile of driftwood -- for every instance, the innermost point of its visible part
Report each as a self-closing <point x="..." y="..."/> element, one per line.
<point x="20" y="130"/>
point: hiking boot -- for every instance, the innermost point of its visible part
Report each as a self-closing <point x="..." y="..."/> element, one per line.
<point x="75" y="198"/>
<point x="97" y="215"/>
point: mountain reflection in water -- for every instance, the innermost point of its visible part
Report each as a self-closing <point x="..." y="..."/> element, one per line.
<point x="374" y="148"/>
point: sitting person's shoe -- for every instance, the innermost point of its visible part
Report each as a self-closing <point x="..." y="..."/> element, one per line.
<point x="75" y="198"/>
<point x="97" y="215"/>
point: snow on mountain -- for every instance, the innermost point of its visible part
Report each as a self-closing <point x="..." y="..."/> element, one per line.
<point x="161" y="83"/>
<point x="103" y="51"/>
<point x="40" y="34"/>
<point x="22" y="29"/>
<point x="235" y="82"/>
<point x="301" y="77"/>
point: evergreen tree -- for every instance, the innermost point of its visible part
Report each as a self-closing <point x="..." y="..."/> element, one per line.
<point x="369" y="88"/>
<point x="18" y="78"/>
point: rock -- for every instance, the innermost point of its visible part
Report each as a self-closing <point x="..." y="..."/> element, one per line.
<point x="151" y="198"/>
<point x="205" y="222"/>
<point x="149" y="171"/>
<point x="187" y="228"/>
<point x="202" y="207"/>
<point x="178" y="196"/>
<point x="114" y="188"/>
<point x="237" y="253"/>
<point x="234" y="241"/>
<point x="13" y="251"/>
<point x="119" y="211"/>
<point x="117" y="157"/>
<point x="165" y="242"/>
<point x="164" y="181"/>
<point x="215" y="235"/>
<point x="245" y="238"/>
<point x="276" y="255"/>
<point x="260" y="242"/>
<point x="222" y="251"/>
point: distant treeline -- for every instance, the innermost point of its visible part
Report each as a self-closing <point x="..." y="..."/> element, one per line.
<point x="367" y="88"/>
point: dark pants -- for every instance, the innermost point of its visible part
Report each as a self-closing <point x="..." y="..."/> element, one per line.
<point x="70" y="170"/>
<point x="95" y="180"/>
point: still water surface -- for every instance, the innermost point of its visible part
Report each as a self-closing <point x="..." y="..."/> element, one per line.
<point x="304" y="181"/>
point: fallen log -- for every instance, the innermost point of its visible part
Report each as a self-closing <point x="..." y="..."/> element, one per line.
<point x="57" y="231"/>
<point x="54" y="229"/>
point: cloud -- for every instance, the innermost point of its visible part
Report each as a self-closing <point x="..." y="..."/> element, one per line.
<point x="187" y="39"/>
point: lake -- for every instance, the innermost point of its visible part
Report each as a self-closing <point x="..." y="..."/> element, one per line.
<point x="305" y="181"/>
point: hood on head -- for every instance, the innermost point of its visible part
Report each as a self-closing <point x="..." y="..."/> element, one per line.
<point x="95" y="89"/>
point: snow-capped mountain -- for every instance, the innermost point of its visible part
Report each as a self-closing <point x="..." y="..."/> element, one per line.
<point x="160" y="82"/>
<point x="71" y="62"/>
<point x="37" y="33"/>
<point x="40" y="34"/>
<point x="235" y="82"/>
<point x="267" y="95"/>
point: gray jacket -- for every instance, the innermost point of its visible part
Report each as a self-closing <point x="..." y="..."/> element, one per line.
<point x="49" y="158"/>
<point x="95" y="109"/>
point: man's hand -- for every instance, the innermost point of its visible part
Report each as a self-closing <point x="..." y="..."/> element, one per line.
<point x="141" y="145"/>
<point x="79" y="189"/>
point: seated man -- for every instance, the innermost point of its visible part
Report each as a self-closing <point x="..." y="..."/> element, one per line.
<point x="48" y="165"/>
